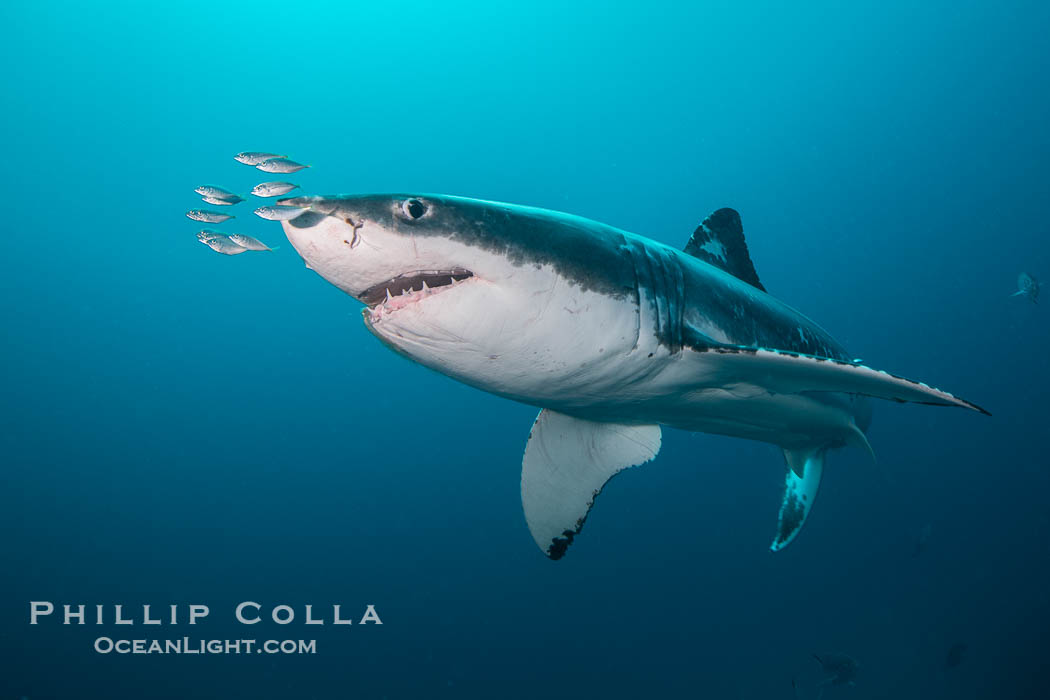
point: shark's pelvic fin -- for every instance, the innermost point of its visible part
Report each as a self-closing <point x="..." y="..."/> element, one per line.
<point x="567" y="462"/>
<point x="787" y="372"/>
<point x="719" y="240"/>
<point x="856" y="438"/>
<point x="805" y="468"/>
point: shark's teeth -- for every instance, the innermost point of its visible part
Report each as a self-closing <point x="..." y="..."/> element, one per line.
<point x="406" y="290"/>
<point x="420" y="281"/>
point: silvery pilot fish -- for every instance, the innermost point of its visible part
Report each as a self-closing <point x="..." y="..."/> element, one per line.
<point x="248" y="242"/>
<point x="208" y="217"/>
<point x="280" y="165"/>
<point x="255" y="157"/>
<point x="217" y="193"/>
<point x="220" y="243"/>
<point x="221" y="202"/>
<point x="280" y="213"/>
<point x="208" y="233"/>
<point x="273" y="189"/>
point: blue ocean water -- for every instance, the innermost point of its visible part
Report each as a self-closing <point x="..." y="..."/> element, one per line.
<point x="181" y="427"/>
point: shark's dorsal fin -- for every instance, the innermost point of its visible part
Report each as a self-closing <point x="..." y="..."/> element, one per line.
<point x="567" y="462"/>
<point x="719" y="240"/>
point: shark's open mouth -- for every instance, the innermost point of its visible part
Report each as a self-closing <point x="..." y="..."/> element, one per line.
<point x="411" y="286"/>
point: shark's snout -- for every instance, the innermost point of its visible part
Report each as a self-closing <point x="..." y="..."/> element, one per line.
<point x="356" y="244"/>
<point x="326" y="239"/>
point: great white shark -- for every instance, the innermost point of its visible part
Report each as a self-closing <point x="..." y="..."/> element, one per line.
<point x="611" y="334"/>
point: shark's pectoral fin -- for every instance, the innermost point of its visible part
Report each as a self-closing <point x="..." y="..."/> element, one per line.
<point x="567" y="462"/>
<point x="805" y="467"/>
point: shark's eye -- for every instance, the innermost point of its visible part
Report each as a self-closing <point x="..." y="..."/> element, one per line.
<point x="413" y="208"/>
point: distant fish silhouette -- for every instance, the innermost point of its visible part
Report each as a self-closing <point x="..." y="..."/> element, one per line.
<point x="922" y="540"/>
<point x="841" y="669"/>
<point x="1027" y="286"/>
<point x="955" y="655"/>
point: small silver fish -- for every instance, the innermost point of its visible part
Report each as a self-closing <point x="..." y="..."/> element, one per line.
<point x="208" y="217"/>
<point x="280" y="213"/>
<point x="280" y="165"/>
<point x="248" y="243"/>
<point x="273" y="189"/>
<point x="221" y="202"/>
<point x="255" y="157"/>
<point x="215" y="192"/>
<point x="220" y="243"/>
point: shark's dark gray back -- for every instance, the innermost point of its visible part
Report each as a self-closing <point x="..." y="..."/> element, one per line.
<point x="748" y="316"/>
<point x="693" y="292"/>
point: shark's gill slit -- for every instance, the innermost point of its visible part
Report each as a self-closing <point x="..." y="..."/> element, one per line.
<point x="412" y="282"/>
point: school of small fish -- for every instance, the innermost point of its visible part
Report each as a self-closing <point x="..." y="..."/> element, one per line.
<point x="237" y="243"/>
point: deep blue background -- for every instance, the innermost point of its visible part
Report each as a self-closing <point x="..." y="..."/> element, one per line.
<point x="179" y="426"/>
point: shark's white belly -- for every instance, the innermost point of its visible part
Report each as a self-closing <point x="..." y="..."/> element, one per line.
<point x="688" y="393"/>
<point x="787" y="420"/>
<point x="595" y="356"/>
